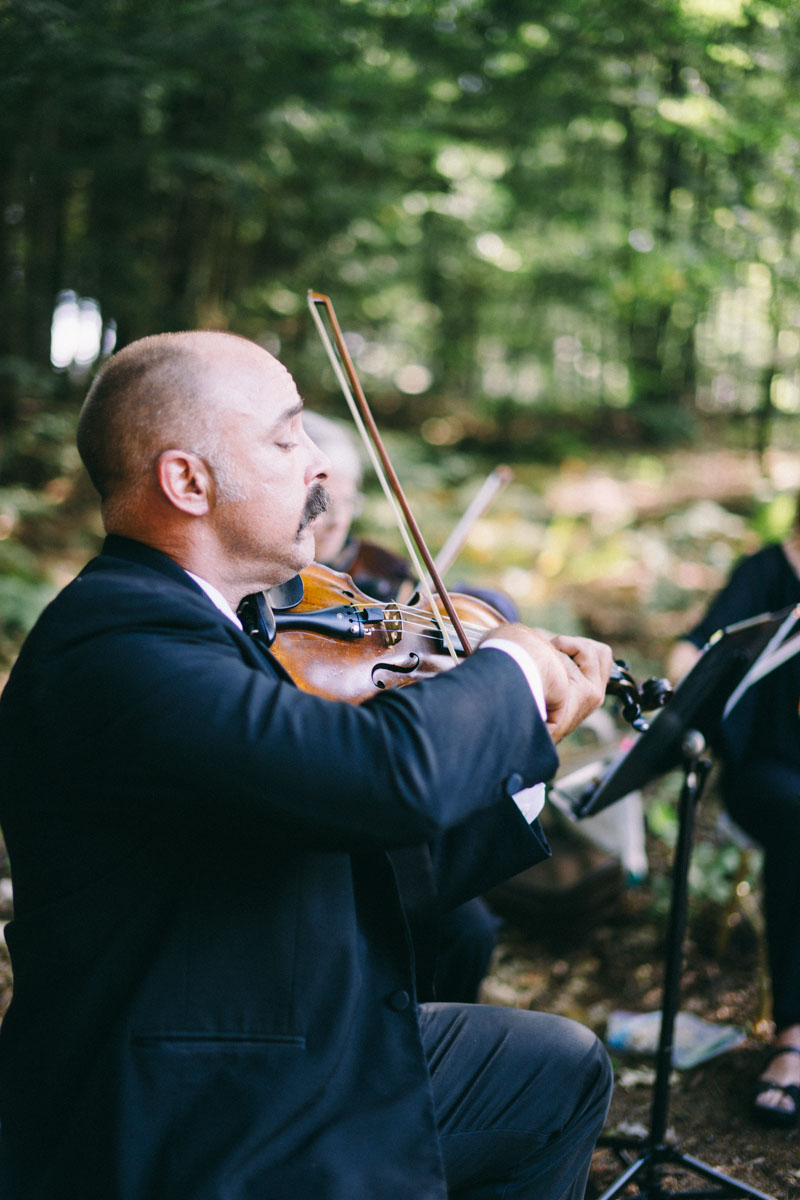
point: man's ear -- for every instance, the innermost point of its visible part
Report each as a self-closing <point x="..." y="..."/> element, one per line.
<point x="185" y="481"/>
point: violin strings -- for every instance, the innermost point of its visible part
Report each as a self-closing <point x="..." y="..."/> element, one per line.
<point x="431" y="630"/>
<point x="426" y="629"/>
<point x="416" y="617"/>
<point x="413" y="621"/>
<point x="425" y="637"/>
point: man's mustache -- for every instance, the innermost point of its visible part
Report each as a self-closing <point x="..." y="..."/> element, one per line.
<point x="317" y="501"/>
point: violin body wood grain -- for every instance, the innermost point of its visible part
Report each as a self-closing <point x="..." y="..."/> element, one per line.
<point x="397" y="644"/>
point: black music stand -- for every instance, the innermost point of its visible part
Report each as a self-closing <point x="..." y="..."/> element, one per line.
<point x="678" y="737"/>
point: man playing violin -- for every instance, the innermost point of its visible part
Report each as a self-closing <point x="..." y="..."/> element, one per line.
<point x="214" y="992"/>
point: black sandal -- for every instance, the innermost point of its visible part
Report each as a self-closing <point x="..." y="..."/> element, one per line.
<point x="783" y="1117"/>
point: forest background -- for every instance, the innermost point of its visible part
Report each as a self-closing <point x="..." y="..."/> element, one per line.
<point x="560" y="236"/>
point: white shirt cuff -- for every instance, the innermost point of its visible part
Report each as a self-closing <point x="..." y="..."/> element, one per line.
<point x="530" y="801"/>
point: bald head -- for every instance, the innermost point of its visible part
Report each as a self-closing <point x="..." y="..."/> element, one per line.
<point x="164" y="392"/>
<point x="195" y="442"/>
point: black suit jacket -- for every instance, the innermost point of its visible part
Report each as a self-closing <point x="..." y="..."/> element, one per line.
<point x="213" y="975"/>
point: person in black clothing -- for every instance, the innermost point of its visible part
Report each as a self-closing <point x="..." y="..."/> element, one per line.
<point x="761" y="790"/>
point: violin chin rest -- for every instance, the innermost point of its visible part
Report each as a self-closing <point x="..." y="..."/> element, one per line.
<point x="286" y="595"/>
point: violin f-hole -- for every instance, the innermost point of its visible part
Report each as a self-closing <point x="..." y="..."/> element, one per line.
<point x="396" y="669"/>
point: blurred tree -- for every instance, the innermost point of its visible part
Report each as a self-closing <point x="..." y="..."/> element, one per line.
<point x="520" y="208"/>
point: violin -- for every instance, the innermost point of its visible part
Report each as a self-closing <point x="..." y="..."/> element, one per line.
<point x="339" y="643"/>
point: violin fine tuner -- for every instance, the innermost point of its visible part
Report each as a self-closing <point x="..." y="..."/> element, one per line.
<point x="637" y="698"/>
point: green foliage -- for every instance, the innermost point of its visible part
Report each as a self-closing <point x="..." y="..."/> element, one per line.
<point x="18" y="563"/>
<point x="24" y="589"/>
<point x="774" y="518"/>
<point x="40" y="448"/>
<point x="715" y="871"/>
<point x="662" y="820"/>
<point x="717" y="867"/>
<point x="21" y="601"/>
<point x="577" y="208"/>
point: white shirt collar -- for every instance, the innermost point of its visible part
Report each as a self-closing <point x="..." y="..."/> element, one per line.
<point x="217" y="598"/>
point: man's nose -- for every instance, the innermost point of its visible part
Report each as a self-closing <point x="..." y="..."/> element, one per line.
<point x="319" y="465"/>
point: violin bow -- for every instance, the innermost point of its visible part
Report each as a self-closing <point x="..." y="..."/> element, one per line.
<point x="365" y="423"/>
<point x="494" y="483"/>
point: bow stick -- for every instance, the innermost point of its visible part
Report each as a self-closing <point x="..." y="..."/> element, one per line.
<point x="365" y="423"/>
<point x="492" y="486"/>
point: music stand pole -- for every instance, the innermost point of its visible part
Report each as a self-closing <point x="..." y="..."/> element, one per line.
<point x="656" y="1152"/>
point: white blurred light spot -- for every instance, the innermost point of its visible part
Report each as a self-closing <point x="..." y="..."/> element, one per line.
<point x="76" y="332"/>
<point x="641" y="240"/>
<point x="413" y="379"/>
<point x="489" y="245"/>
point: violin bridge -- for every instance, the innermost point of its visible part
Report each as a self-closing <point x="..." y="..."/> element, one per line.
<point x="392" y="623"/>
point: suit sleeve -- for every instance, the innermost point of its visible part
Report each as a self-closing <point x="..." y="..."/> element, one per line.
<point x="176" y="725"/>
<point x="484" y="850"/>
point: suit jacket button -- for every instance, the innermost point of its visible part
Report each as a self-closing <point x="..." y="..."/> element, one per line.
<point x="399" y="1001"/>
<point x="514" y="784"/>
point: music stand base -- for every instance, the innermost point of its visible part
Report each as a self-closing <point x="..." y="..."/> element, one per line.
<point x="656" y="1160"/>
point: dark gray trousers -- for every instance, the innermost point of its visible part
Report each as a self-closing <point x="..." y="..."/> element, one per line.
<point x="520" y="1098"/>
